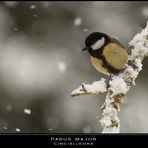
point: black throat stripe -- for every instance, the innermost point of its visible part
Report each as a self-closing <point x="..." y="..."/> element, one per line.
<point x="108" y="66"/>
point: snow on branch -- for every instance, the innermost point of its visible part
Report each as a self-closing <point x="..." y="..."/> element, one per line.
<point x="119" y="84"/>
<point x="98" y="87"/>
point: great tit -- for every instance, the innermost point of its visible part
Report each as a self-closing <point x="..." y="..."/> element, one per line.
<point x="108" y="56"/>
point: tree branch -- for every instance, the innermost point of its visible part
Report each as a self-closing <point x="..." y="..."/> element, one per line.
<point x="119" y="84"/>
<point x="98" y="87"/>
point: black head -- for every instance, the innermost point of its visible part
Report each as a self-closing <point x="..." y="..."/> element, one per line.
<point x="95" y="42"/>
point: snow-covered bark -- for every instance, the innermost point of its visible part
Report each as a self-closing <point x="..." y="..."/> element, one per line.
<point x="98" y="87"/>
<point x="119" y="84"/>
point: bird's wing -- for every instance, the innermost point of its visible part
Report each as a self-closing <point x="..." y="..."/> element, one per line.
<point x="115" y="55"/>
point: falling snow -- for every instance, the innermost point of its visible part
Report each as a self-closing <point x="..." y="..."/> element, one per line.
<point x="27" y="111"/>
<point x="35" y="15"/>
<point x="15" y="29"/>
<point x="17" y="130"/>
<point x="61" y="67"/>
<point x="5" y="128"/>
<point x="85" y="30"/>
<point x="77" y="21"/>
<point x="50" y="129"/>
<point x="32" y="6"/>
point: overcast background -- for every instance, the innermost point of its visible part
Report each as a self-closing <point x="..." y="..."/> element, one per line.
<point x="41" y="62"/>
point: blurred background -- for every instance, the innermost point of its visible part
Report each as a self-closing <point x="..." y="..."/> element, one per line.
<point x="41" y="63"/>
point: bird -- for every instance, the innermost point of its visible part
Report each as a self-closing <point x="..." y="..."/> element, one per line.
<point x="108" y="55"/>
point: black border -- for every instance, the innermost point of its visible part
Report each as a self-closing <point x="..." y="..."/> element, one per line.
<point x="43" y="140"/>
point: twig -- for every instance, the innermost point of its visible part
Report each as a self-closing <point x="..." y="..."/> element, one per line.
<point x="98" y="87"/>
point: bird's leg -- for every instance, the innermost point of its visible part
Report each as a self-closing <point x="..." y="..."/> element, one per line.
<point x="132" y="64"/>
<point x="109" y="78"/>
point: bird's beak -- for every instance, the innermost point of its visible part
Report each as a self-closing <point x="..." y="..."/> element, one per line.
<point x="86" y="48"/>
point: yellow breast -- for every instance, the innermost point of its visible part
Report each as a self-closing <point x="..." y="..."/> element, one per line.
<point x="97" y="63"/>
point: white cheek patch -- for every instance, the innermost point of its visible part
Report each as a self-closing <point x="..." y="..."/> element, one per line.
<point x="98" y="44"/>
